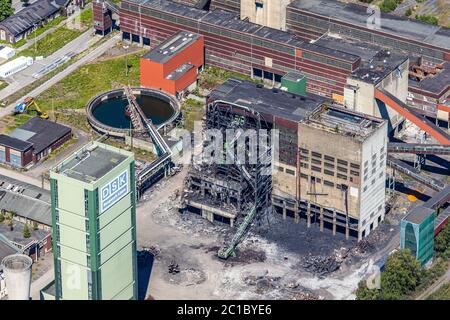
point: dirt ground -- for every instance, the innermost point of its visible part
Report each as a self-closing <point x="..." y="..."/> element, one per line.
<point x="277" y="260"/>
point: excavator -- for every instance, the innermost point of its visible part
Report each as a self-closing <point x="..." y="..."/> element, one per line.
<point x="29" y="104"/>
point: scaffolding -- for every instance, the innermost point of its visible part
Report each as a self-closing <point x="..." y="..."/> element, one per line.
<point x="256" y="197"/>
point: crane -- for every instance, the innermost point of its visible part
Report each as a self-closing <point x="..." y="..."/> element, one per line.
<point x="29" y="104"/>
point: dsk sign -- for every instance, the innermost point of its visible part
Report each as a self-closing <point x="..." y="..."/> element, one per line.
<point x="114" y="191"/>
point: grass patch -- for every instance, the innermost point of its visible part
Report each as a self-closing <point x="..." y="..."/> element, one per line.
<point x="3" y="84"/>
<point x="192" y="110"/>
<point x="75" y="90"/>
<point x="61" y="148"/>
<point x="52" y="42"/>
<point x="15" y="45"/>
<point x="58" y="38"/>
<point x="212" y="76"/>
<point x="139" y="154"/>
<point x="11" y="122"/>
<point x="443" y="293"/>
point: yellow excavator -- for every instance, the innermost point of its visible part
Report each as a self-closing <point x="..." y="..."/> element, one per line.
<point x="30" y="105"/>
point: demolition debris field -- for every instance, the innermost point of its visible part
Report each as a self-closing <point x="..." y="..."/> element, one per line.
<point x="278" y="259"/>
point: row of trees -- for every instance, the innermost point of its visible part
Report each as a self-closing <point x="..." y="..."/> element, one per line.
<point x="8" y="217"/>
<point x="404" y="275"/>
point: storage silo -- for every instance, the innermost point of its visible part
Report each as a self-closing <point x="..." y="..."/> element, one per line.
<point x="17" y="271"/>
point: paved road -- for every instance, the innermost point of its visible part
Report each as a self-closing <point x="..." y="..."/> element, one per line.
<point x="40" y="283"/>
<point x="439" y="283"/>
<point x="20" y="176"/>
<point x="80" y="41"/>
<point x="24" y="78"/>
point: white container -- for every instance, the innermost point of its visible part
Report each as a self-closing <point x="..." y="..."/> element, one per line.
<point x="17" y="271"/>
<point x="6" y="52"/>
<point x="15" y="66"/>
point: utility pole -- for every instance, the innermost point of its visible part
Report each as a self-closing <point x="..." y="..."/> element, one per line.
<point x="125" y="46"/>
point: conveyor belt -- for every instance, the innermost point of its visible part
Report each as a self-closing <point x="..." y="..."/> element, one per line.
<point x="412" y="115"/>
<point x="418" y="148"/>
<point x="414" y="173"/>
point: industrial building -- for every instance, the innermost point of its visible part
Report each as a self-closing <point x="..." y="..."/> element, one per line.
<point x="32" y="142"/>
<point x="238" y="45"/>
<point x="246" y="38"/>
<point x="20" y="25"/>
<point x="428" y="46"/>
<point x="37" y="245"/>
<point x="94" y="228"/>
<point x="31" y="204"/>
<point x="417" y="233"/>
<point x="330" y="169"/>
<point x="174" y="64"/>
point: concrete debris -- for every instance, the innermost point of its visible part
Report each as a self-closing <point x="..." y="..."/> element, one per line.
<point x="306" y="296"/>
<point x="321" y="265"/>
<point x="174" y="268"/>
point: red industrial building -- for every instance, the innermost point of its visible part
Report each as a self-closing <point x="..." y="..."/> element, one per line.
<point x="173" y="65"/>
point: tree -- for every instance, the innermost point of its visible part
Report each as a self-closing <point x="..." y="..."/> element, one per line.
<point x="26" y="232"/>
<point x="442" y="242"/>
<point x="403" y="273"/>
<point x="35" y="226"/>
<point x="388" y="5"/>
<point x="6" y="9"/>
<point x="2" y="217"/>
<point x="428" y="19"/>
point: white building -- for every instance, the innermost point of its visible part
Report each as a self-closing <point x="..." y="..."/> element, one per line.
<point x="15" y="66"/>
<point x="6" y="52"/>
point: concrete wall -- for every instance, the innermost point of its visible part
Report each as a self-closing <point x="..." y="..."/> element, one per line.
<point x="364" y="100"/>
<point x="337" y="146"/>
<point x="373" y="174"/>
<point x="272" y="14"/>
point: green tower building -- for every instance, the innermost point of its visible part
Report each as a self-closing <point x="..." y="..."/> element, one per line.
<point x="94" y="225"/>
<point x="417" y="233"/>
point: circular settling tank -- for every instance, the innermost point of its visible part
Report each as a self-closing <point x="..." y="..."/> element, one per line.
<point x="107" y="111"/>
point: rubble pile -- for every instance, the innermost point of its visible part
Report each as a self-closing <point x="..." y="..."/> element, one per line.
<point x="174" y="268"/>
<point x="321" y="265"/>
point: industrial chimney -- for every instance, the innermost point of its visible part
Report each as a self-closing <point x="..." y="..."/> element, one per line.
<point x="17" y="271"/>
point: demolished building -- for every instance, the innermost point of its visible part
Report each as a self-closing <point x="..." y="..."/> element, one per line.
<point x="329" y="168"/>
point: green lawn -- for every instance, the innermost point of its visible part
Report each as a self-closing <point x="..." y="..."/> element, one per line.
<point x="192" y="110"/>
<point x="74" y="91"/>
<point x="16" y="45"/>
<point x="52" y="42"/>
<point x="58" y="38"/>
<point x="3" y="84"/>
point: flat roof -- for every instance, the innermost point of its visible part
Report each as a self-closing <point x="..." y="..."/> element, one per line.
<point x="172" y="46"/>
<point x="345" y="122"/>
<point x="268" y="101"/>
<point x="90" y="163"/>
<point x="180" y="71"/>
<point x="29" y="16"/>
<point x="14" y="143"/>
<point x="357" y="14"/>
<point x="294" y="76"/>
<point x="418" y="214"/>
<point x="376" y="62"/>
<point x="16" y="235"/>
<point x="232" y="21"/>
<point x="436" y="84"/>
<point x="41" y="133"/>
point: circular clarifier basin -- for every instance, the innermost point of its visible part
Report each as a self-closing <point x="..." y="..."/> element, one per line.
<point x="107" y="111"/>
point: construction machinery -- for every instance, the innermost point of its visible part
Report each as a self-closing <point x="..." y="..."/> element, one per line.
<point x="29" y="104"/>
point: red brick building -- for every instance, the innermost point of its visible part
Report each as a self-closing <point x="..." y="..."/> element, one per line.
<point x="173" y="65"/>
